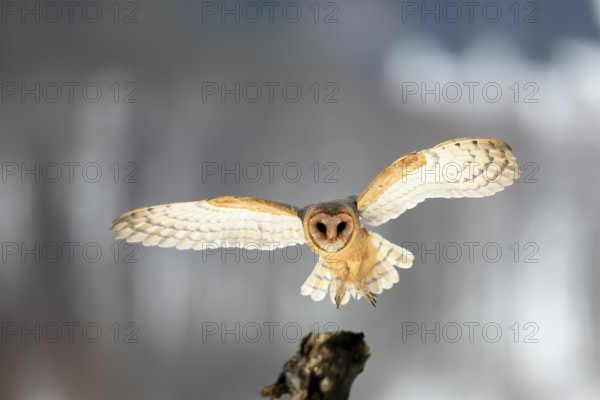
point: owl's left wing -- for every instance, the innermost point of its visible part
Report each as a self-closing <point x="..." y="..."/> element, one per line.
<point x="221" y="222"/>
<point x="467" y="167"/>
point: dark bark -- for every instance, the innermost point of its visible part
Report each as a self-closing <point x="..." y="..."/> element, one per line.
<point x="323" y="368"/>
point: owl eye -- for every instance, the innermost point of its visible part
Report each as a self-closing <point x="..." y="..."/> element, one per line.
<point x="341" y="226"/>
<point x="321" y="227"/>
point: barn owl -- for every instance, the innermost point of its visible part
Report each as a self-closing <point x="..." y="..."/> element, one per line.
<point x="353" y="261"/>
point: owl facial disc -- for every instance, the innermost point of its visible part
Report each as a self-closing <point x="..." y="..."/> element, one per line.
<point x="331" y="232"/>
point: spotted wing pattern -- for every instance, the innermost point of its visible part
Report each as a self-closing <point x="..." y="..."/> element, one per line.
<point x="468" y="167"/>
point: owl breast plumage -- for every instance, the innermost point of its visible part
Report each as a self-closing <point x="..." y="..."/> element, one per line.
<point x="353" y="261"/>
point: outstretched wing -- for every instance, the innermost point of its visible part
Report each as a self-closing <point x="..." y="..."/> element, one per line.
<point x="467" y="167"/>
<point x="218" y="222"/>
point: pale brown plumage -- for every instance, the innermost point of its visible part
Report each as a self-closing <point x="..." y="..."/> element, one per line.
<point x="354" y="262"/>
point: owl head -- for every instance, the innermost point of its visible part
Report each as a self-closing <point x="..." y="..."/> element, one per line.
<point x="331" y="225"/>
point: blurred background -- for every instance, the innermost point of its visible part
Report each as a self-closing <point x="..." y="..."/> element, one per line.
<point x="108" y="106"/>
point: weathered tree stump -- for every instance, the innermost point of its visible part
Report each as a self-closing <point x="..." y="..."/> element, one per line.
<point x="323" y="368"/>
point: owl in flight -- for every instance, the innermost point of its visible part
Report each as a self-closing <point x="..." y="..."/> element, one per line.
<point x="353" y="261"/>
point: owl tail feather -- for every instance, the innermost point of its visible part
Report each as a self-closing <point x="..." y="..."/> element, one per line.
<point x="317" y="284"/>
<point x="321" y="281"/>
<point x="389" y="257"/>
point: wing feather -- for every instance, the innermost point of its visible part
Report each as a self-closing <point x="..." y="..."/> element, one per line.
<point x="221" y="222"/>
<point x="317" y="284"/>
<point x="467" y="167"/>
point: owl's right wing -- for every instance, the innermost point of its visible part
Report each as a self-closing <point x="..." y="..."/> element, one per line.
<point x="220" y="222"/>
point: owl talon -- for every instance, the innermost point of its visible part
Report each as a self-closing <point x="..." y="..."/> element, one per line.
<point x="339" y="296"/>
<point x="371" y="298"/>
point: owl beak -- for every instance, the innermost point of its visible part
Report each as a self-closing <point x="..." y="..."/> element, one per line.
<point x="330" y="235"/>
